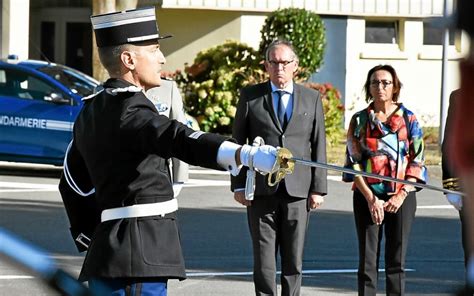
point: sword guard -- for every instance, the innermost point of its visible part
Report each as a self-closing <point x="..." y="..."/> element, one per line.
<point x="285" y="166"/>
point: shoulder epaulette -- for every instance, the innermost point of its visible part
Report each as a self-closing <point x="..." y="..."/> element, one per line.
<point x="97" y="91"/>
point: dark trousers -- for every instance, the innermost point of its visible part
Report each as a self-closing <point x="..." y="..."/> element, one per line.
<point x="462" y="216"/>
<point x="278" y="222"/>
<point x="397" y="228"/>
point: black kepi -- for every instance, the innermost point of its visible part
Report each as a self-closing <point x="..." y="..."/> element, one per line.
<point x="129" y="26"/>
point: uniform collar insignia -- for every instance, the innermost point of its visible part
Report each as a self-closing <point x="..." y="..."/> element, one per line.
<point x="161" y="107"/>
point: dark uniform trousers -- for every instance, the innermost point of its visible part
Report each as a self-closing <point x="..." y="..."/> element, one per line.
<point x="397" y="228"/>
<point x="278" y="220"/>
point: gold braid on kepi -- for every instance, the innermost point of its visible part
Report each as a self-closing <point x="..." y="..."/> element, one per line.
<point x="285" y="166"/>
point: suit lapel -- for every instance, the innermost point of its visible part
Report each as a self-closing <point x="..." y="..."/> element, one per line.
<point x="296" y="102"/>
<point x="271" y="107"/>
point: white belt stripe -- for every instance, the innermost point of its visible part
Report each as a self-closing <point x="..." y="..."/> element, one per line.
<point x="140" y="210"/>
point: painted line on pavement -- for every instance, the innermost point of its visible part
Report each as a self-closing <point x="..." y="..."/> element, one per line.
<point x="435" y="207"/>
<point x="208" y="172"/>
<point x="235" y="273"/>
<point x="205" y="183"/>
<point x="13" y="187"/>
<point x="15" y="277"/>
<point x="249" y="273"/>
<point x="18" y="187"/>
<point x="335" y="178"/>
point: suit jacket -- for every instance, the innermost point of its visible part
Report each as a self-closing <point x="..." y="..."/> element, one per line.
<point x="119" y="148"/>
<point x="450" y="180"/>
<point x="304" y="136"/>
<point x="168" y="102"/>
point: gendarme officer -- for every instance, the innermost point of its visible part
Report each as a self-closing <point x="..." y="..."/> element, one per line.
<point x="116" y="185"/>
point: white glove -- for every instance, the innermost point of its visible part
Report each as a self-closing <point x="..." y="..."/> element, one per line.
<point x="262" y="158"/>
<point x="455" y="200"/>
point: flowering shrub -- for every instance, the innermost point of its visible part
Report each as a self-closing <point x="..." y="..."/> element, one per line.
<point x="333" y="111"/>
<point x="212" y="83"/>
<point x="211" y="86"/>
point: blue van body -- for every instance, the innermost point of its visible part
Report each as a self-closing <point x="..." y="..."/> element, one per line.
<point x="39" y="103"/>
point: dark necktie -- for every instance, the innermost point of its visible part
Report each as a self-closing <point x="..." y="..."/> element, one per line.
<point x="281" y="110"/>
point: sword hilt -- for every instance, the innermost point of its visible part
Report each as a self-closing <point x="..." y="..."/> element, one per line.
<point x="285" y="166"/>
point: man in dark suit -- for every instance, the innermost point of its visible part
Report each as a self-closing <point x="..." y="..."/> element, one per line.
<point x="461" y="141"/>
<point x="450" y="179"/>
<point x="288" y="115"/>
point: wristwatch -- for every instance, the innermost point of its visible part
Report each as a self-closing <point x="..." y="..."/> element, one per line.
<point x="406" y="191"/>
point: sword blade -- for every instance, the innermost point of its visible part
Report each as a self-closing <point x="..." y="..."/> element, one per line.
<point x="336" y="168"/>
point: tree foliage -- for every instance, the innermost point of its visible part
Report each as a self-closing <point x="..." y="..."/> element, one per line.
<point x="212" y="83"/>
<point x="333" y="111"/>
<point x="304" y="29"/>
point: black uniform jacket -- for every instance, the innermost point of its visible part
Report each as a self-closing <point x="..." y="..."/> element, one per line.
<point x="119" y="148"/>
<point x="304" y="136"/>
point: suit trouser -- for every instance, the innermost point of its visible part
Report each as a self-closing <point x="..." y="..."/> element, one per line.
<point x="278" y="222"/>
<point x="464" y="239"/>
<point x="397" y="228"/>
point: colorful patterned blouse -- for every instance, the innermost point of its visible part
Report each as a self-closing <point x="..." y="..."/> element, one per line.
<point x="387" y="149"/>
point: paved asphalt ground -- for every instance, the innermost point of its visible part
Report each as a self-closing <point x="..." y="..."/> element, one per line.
<point x="216" y="243"/>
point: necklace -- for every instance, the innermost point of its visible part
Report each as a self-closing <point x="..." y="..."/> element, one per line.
<point x="383" y="116"/>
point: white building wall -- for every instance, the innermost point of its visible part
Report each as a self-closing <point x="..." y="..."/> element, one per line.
<point x="198" y="30"/>
<point x="418" y="67"/>
<point x="250" y="26"/>
<point x="354" y="99"/>
<point x="15" y="32"/>
<point x="407" y="8"/>
<point x="200" y="24"/>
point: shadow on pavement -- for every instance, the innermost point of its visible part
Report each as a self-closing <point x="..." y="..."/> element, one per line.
<point x="217" y="240"/>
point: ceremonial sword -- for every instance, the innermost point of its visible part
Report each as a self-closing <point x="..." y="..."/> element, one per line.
<point x="286" y="162"/>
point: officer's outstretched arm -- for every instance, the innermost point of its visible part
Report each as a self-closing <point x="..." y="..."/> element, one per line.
<point x="232" y="157"/>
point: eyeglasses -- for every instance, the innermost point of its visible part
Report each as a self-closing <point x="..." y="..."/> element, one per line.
<point x="276" y="64"/>
<point x="376" y="83"/>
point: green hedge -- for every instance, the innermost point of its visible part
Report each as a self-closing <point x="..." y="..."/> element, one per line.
<point x="211" y="85"/>
<point x="333" y="111"/>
